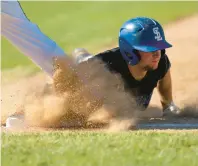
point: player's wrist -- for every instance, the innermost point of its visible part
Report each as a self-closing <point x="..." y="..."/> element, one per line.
<point x="166" y="103"/>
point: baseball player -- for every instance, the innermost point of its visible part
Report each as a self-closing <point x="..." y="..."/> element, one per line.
<point x="141" y="61"/>
<point x="140" y="58"/>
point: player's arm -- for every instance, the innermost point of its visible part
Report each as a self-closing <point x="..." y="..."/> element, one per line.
<point x="165" y="91"/>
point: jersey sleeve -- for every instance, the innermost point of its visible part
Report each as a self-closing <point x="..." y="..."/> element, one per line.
<point x="164" y="66"/>
<point x="27" y="37"/>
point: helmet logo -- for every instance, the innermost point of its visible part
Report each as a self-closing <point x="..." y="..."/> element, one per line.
<point x="158" y="36"/>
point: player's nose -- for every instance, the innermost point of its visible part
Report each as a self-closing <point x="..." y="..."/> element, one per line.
<point x="156" y="54"/>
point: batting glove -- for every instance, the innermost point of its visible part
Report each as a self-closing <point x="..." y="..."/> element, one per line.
<point x="171" y="110"/>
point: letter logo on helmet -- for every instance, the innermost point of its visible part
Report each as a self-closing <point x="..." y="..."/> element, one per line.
<point x="158" y="35"/>
<point x="143" y="34"/>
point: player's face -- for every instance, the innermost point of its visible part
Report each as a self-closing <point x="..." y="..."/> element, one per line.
<point x="149" y="60"/>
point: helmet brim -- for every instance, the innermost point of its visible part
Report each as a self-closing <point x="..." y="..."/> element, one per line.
<point x="161" y="46"/>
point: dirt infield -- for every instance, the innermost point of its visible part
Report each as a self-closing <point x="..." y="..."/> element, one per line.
<point x="184" y="38"/>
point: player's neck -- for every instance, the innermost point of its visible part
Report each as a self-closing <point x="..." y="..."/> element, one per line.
<point x="137" y="72"/>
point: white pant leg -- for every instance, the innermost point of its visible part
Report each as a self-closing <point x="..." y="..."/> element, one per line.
<point x="27" y="37"/>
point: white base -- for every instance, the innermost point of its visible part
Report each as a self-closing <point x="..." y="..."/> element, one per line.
<point x="16" y="121"/>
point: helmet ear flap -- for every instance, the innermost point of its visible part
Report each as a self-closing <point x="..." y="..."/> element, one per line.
<point x="127" y="52"/>
<point x="136" y="52"/>
<point x="128" y="55"/>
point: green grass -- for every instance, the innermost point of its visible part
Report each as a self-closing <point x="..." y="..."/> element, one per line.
<point x="138" y="148"/>
<point x="92" y="25"/>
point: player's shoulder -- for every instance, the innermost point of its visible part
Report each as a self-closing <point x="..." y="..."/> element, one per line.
<point x="110" y="56"/>
<point x="112" y="59"/>
<point x="110" y="51"/>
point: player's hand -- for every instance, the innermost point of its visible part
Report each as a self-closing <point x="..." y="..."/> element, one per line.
<point x="171" y="110"/>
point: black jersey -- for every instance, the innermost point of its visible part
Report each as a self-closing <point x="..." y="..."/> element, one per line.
<point x="142" y="90"/>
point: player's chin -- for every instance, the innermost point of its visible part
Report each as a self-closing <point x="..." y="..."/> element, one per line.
<point x="152" y="67"/>
<point x="155" y="67"/>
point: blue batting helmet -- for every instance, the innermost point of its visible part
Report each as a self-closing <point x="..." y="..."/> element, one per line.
<point x="143" y="34"/>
